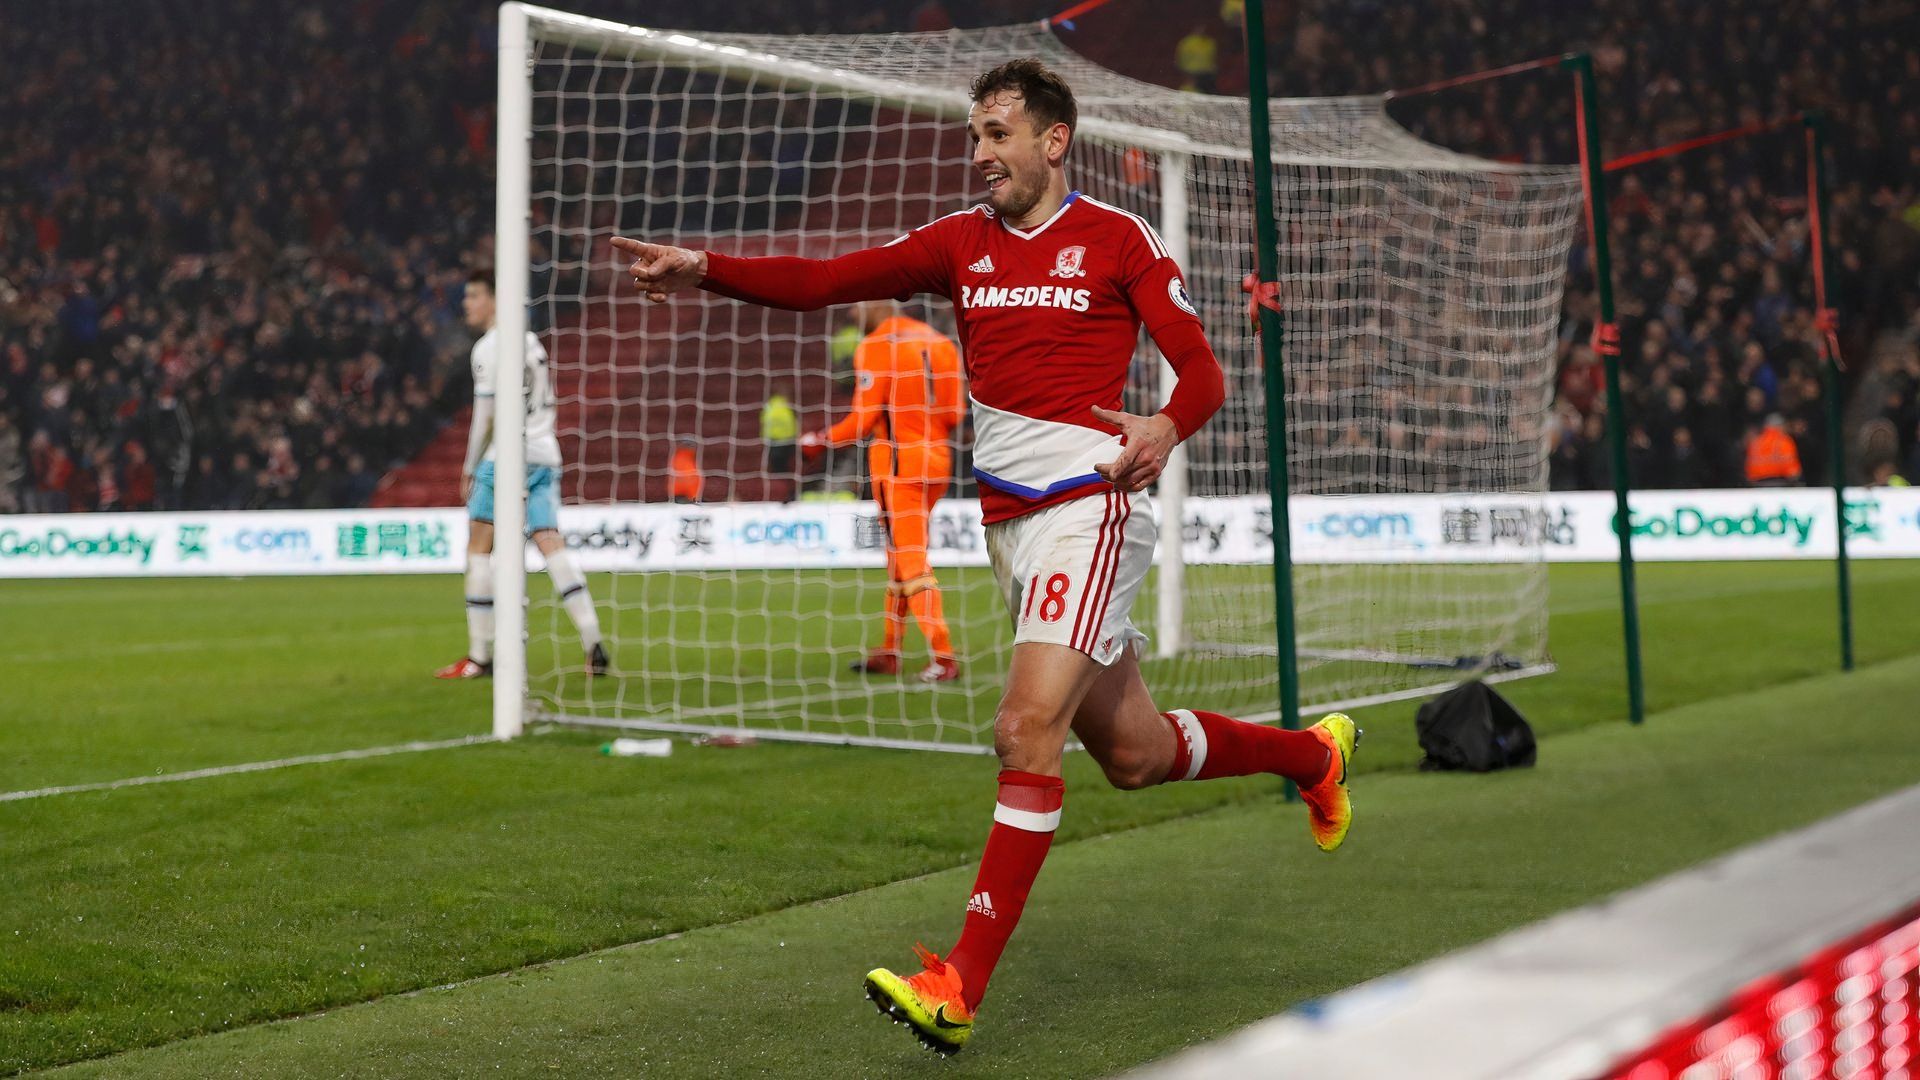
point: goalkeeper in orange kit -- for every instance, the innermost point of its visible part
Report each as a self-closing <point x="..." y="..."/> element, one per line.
<point x="910" y="396"/>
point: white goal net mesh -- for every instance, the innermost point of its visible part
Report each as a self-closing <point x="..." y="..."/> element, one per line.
<point x="1422" y="291"/>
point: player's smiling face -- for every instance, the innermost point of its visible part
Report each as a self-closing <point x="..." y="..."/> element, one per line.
<point x="1009" y="154"/>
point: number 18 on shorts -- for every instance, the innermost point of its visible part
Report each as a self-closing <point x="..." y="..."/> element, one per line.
<point x="1070" y="572"/>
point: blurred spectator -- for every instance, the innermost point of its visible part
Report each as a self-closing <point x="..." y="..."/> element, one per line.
<point x="844" y="342"/>
<point x="52" y="469"/>
<point x="1198" y="57"/>
<point x="83" y="482"/>
<point x="13" y="467"/>
<point x="207" y="485"/>
<point x="929" y="16"/>
<point x="779" y="428"/>
<point x="360" y="481"/>
<point x="137" y="480"/>
<point x="1772" y="458"/>
<point x="686" y="480"/>
<point x="1686" y="468"/>
<point x="322" y="486"/>
<point x="1596" y="472"/>
<point x="242" y="486"/>
<point x="1563" y="455"/>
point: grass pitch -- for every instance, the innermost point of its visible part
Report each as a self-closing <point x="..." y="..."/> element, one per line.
<point x="147" y="916"/>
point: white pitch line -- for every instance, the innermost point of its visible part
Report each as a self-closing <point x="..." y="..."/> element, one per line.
<point x="248" y="767"/>
<point x="136" y="648"/>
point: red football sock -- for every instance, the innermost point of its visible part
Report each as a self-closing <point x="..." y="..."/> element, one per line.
<point x="1207" y="746"/>
<point x="1024" y="818"/>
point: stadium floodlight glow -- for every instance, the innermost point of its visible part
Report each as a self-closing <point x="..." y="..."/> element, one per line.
<point x="1422" y="287"/>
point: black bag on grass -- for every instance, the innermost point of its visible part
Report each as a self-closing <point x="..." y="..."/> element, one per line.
<point x="1471" y="727"/>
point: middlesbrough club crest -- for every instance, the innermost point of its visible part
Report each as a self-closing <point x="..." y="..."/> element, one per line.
<point x="1067" y="263"/>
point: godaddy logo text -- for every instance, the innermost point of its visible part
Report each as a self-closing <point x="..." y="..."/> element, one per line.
<point x="1687" y="522"/>
<point x="64" y="544"/>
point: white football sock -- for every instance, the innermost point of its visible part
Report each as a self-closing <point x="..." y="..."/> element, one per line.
<point x="480" y="608"/>
<point x="571" y="588"/>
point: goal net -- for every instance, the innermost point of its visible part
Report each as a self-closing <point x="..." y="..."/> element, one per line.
<point x="1422" y="290"/>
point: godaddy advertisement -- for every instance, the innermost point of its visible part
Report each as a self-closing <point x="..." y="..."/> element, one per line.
<point x="1687" y="522"/>
<point x="1793" y="523"/>
<point x="75" y="540"/>
<point x="1769" y="524"/>
<point x="236" y="544"/>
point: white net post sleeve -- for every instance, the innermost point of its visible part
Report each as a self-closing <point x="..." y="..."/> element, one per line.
<point x="511" y="205"/>
<point x="1170" y="587"/>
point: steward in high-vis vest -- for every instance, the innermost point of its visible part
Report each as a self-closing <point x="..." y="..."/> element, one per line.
<point x="1772" y="458"/>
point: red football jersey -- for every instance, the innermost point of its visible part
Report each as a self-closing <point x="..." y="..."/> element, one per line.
<point x="1048" y="320"/>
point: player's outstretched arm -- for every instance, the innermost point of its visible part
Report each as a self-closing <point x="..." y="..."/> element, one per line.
<point x="907" y="266"/>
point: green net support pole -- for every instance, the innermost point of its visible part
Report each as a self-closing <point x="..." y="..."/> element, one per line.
<point x="1816" y="128"/>
<point x="1267" y="265"/>
<point x="1593" y="172"/>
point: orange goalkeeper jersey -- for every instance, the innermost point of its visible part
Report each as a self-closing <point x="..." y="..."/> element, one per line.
<point x="910" y="396"/>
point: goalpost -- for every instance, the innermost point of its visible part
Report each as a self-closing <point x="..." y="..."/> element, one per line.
<point x="1422" y="290"/>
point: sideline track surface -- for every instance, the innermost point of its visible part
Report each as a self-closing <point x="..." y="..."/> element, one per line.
<point x="1579" y="992"/>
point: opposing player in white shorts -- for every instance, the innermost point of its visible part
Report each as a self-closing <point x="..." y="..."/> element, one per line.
<point x="543" y="499"/>
<point x="1050" y="290"/>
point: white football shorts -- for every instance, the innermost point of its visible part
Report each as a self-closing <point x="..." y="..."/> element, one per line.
<point x="1070" y="572"/>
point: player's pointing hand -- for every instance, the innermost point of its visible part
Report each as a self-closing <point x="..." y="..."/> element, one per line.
<point x="658" y="270"/>
<point x="1149" y="439"/>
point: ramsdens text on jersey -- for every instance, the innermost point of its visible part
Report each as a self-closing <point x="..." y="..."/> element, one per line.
<point x="1025" y="296"/>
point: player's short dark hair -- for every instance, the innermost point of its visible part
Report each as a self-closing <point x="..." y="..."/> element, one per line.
<point x="1048" y="97"/>
<point x="481" y="275"/>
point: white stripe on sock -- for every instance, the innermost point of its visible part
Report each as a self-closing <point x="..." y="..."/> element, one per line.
<point x="1196" y="740"/>
<point x="1025" y="820"/>
<point x="571" y="588"/>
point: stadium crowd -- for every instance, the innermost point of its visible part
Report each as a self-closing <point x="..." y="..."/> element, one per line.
<point x="1711" y="248"/>
<point x="230" y="261"/>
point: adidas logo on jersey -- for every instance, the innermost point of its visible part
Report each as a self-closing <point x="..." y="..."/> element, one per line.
<point x="983" y="904"/>
<point x="983" y="266"/>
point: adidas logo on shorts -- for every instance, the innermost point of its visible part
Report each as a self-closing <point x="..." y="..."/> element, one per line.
<point x="983" y="266"/>
<point x="982" y="903"/>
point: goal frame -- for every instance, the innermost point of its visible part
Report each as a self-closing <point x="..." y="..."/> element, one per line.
<point x="512" y="227"/>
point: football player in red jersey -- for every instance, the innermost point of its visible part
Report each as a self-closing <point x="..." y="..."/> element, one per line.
<point x="1050" y="288"/>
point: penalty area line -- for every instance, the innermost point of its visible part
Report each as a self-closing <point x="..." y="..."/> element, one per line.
<point x="248" y="767"/>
